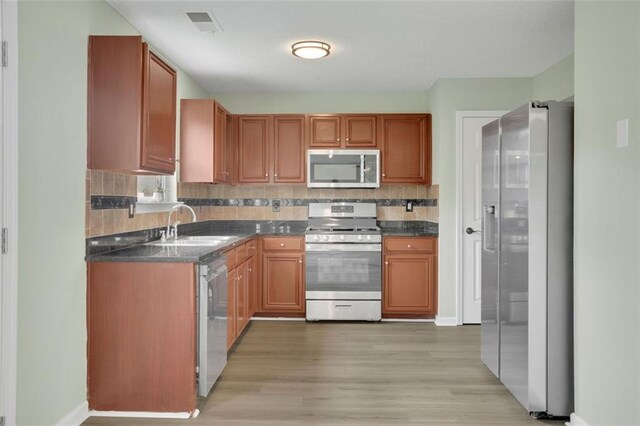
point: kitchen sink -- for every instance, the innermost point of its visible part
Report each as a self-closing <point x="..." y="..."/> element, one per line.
<point x="195" y="241"/>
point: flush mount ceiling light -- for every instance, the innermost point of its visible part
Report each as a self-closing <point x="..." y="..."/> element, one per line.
<point x="310" y="49"/>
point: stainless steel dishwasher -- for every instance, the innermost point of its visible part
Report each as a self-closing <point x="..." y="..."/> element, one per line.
<point x="212" y="321"/>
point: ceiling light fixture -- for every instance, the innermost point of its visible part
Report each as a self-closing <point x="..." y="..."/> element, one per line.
<point x="310" y="49"/>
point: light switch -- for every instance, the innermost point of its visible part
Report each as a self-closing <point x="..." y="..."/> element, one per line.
<point x="622" y="133"/>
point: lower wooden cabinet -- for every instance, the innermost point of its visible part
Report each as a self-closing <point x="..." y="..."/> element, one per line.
<point x="283" y="275"/>
<point x="141" y="324"/>
<point x="242" y="285"/>
<point x="232" y="278"/>
<point x="410" y="276"/>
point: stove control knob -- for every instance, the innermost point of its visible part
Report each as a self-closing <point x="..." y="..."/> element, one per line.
<point x="342" y="237"/>
<point x="325" y="237"/>
<point x="369" y="237"/>
<point x="359" y="237"/>
<point x="315" y="238"/>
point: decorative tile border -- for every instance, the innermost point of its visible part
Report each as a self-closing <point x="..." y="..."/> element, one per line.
<point x="105" y="202"/>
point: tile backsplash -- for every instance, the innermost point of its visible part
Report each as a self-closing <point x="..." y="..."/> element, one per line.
<point x="108" y="195"/>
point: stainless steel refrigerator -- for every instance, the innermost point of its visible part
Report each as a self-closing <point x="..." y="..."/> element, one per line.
<point x="527" y="255"/>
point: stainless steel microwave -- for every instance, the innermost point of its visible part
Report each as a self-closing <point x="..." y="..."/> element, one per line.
<point x="343" y="168"/>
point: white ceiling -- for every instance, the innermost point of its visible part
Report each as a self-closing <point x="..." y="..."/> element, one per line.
<point x="377" y="46"/>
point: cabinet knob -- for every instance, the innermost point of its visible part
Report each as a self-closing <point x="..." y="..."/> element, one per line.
<point x="266" y="175"/>
<point x="347" y="139"/>
<point x="275" y="175"/>
<point x="338" y="140"/>
<point x="250" y="270"/>
<point x="383" y="175"/>
<point x="386" y="263"/>
<point x="281" y="244"/>
<point x="408" y="245"/>
<point x="299" y="261"/>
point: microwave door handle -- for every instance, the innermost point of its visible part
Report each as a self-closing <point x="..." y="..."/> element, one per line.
<point x="361" y="168"/>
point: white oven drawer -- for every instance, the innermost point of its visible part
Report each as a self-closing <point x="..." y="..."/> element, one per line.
<point x="344" y="310"/>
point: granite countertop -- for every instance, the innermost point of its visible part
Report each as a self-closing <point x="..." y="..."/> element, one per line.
<point x="133" y="247"/>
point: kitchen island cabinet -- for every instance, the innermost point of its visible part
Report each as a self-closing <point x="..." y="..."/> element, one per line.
<point x="131" y="107"/>
<point x="141" y="351"/>
<point x="409" y="277"/>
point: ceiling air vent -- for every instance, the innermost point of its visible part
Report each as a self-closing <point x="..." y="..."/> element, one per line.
<point x="204" y="21"/>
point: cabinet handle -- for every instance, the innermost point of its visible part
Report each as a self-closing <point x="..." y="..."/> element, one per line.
<point x="281" y="244"/>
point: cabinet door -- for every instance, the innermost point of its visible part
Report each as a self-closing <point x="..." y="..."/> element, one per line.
<point x="232" y="279"/>
<point x="406" y="149"/>
<point x="360" y="131"/>
<point x="283" y="282"/>
<point x="159" y="115"/>
<point x="241" y="299"/>
<point x="288" y="149"/>
<point x="219" y="145"/>
<point x="324" y="131"/>
<point x="252" y="283"/>
<point x="231" y="150"/>
<point x="253" y="149"/>
<point x="409" y="284"/>
<point x="196" y="140"/>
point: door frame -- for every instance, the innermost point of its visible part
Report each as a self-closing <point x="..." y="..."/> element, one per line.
<point x="460" y="116"/>
<point x="9" y="211"/>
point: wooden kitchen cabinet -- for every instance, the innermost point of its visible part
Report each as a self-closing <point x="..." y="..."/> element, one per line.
<point x="283" y="275"/>
<point x="254" y="141"/>
<point x="141" y="324"/>
<point x="406" y="148"/>
<point x="409" y="276"/>
<point x="342" y="131"/>
<point x="241" y="288"/>
<point x="232" y="279"/>
<point x="131" y="107"/>
<point x="204" y="142"/>
<point x="288" y="149"/>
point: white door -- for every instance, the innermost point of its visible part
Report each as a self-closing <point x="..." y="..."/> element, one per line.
<point x="470" y="135"/>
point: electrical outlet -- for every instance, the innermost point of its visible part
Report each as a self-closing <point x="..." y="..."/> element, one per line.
<point x="409" y="206"/>
<point x="132" y="210"/>
<point x="275" y="206"/>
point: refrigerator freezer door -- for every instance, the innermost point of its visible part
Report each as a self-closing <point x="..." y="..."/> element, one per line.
<point x="490" y="331"/>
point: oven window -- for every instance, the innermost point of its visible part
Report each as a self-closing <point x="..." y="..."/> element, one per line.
<point x="331" y="270"/>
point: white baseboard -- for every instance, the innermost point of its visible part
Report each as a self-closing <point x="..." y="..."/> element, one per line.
<point x="276" y="319"/>
<point x="575" y="420"/>
<point x="446" y="321"/>
<point x="76" y="416"/>
<point x="144" y="414"/>
<point x="407" y="320"/>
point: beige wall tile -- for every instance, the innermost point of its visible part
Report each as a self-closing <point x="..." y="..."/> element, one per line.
<point x="87" y="219"/>
<point x="271" y="191"/>
<point x="87" y="189"/>
<point x="285" y="191"/>
<point x="381" y="193"/>
<point x="383" y="213"/>
<point x="108" y="183"/>
<point x="96" y="182"/>
<point x="256" y="213"/>
<point x="313" y="193"/>
<point x="230" y="191"/>
<point x="119" y="187"/>
<point x="299" y="192"/>
<point x="108" y="222"/>
<point x="410" y="192"/>
<point x="269" y="214"/>
<point x="229" y="213"/>
<point x="300" y="213"/>
<point x="422" y="192"/>
<point x="396" y="213"/>
<point x="96" y="223"/>
<point x="243" y="213"/>
<point x="396" y="192"/>
<point x="286" y="213"/>
<point x="410" y="216"/>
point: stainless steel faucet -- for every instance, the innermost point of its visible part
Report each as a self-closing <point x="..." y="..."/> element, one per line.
<point x="172" y="231"/>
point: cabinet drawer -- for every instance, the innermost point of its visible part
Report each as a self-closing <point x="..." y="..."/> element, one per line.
<point x="241" y="254"/>
<point x="410" y="244"/>
<point x="252" y="248"/>
<point x="231" y="258"/>
<point x="283" y="243"/>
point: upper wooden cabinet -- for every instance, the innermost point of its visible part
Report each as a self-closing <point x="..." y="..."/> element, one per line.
<point x="254" y="137"/>
<point x="342" y="131"/>
<point x="271" y="149"/>
<point x="204" y="142"/>
<point x="131" y="107"/>
<point x="406" y="148"/>
<point x="288" y="149"/>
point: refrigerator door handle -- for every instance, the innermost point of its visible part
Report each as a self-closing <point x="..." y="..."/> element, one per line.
<point x="489" y="220"/>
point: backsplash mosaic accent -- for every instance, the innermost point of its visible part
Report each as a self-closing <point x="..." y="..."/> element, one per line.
<point x="109" y="194"/>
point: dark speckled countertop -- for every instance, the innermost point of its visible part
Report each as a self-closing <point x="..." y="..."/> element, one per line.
<point x="132" y="247"/>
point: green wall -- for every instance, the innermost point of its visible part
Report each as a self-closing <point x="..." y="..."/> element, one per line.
<point x="52" y="162"/>
<point x="556" y="83"/>
<point x="607" y="182"/>
<point x="448" y="96"/>
<point x="302" y="103"/>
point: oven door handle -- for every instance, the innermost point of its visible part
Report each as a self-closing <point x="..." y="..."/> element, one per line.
<point x="343" y="247"/>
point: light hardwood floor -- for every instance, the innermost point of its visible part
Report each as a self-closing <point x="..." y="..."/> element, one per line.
<point x="294" y="373"/>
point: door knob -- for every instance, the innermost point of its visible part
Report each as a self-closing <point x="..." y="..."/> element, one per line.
<point x="470" y="230"/>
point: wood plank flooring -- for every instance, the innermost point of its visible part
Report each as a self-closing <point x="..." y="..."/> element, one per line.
<point x="297" y="373"/>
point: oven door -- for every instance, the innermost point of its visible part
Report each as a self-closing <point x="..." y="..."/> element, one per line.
<point x="343" y="271"/>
